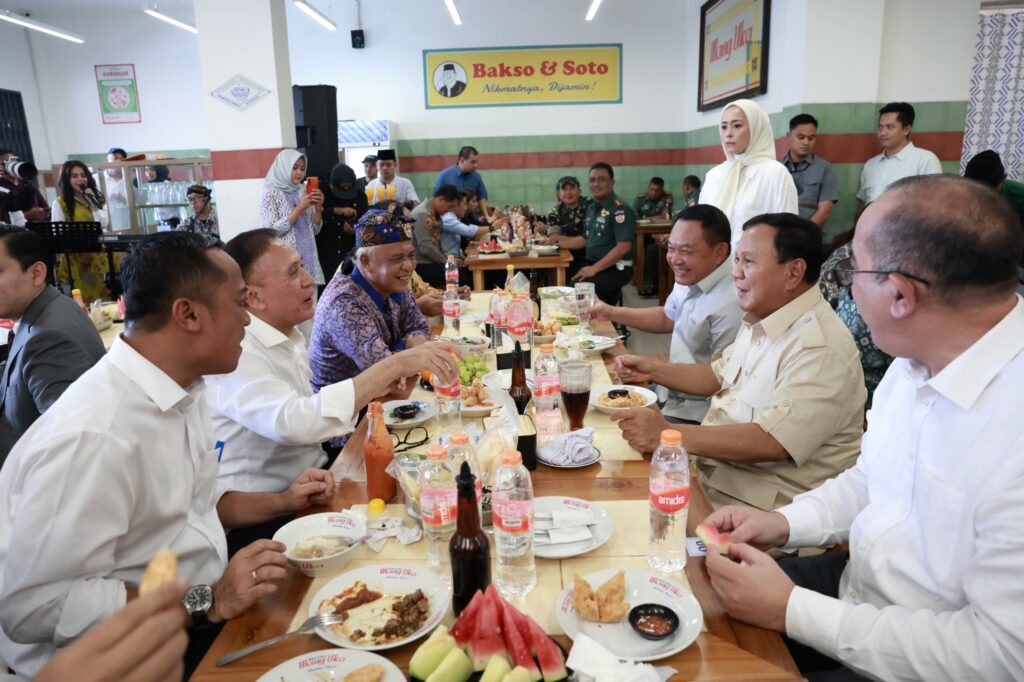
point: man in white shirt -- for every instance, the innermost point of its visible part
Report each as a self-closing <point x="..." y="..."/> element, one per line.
<point x="267" y="422"/>
<point x="121" y="466"/>
<point x="899" y="158"/>
<point x="933" y="510"/>
<point x="787" y="397"/>
<point x="387" y="185"/>
<point x="702" y="312"/>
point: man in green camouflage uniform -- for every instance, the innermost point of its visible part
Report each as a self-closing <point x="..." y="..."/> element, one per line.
<point x="611" y="234"/>
<point x="565" y="220"/>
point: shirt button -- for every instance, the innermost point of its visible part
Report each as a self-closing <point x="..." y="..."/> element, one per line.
<point x="855" y="596"/>
<point x="910" y="456"/>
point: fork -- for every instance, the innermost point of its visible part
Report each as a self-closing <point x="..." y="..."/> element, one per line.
<point x="319" y="620"/>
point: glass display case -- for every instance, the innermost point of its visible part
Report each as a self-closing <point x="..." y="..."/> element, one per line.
<point x="148" y="196"/>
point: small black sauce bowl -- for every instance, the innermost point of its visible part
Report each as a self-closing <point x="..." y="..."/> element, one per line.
<point x="654" y="610"/>
<point x="618" y="393"/>
<point x="407" y="411"/>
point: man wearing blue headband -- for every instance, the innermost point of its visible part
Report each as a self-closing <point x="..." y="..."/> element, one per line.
<point x="367" y="315"/>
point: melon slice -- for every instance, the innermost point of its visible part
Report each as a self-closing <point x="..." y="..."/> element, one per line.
<point x="486" y="640"/>
<point x="496" y="670"/>
<point x="429" y="656"/>
<point x="518" y="674"/>
<point x="516" y="646"/>
<point x="463" y="627"/>
<point x="454" y="668"/>
<point x="712" y="539"/>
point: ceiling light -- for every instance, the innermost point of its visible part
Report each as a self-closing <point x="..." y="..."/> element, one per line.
<point x="594" y="4"/>
<point x="7" y="15"/>
<point x="157" y="14"/>
<point x="454" y="11"/>
<point x="316" y="15"/>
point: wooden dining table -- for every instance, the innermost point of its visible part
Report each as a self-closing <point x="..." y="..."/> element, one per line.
<point x="644" y="228"/>
<point x="727" y="650"/>
<point x="479" y="264"/>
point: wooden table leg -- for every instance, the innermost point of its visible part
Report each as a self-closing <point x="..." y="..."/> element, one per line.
<point x="478" y="280"/>
<point x="560" y="277"/>
<point x="638" y="263"/>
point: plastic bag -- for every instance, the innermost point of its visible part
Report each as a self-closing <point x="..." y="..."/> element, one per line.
<point x="501" y="435"/>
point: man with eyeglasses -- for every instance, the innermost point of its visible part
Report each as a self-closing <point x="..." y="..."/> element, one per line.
<point x="611" y="234"/>
<point x="931" y="587"/>
<point x="786" y="408"/>
<point x="565" y="223"/>
<point x="267" y="422"/>
<point x="203" y="220"/>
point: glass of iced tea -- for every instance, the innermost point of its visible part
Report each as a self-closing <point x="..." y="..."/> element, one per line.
<point x="574" y="377"/>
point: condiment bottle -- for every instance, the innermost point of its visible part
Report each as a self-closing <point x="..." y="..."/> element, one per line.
<point x="378" y="451"/>
<point x="469" y="549"/>
<point x="519" y="391"/>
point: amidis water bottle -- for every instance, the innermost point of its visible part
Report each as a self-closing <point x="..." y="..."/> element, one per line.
<point x="451" y="271"/>
<point x="669" y="502"/>
<point x="438" y="506"/>
<point x="451" y="308"/>
<point x="512" y="510"/>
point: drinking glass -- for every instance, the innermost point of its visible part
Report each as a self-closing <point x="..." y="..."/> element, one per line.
<point x="574" y="377"/>
<point x="585" y="298"/>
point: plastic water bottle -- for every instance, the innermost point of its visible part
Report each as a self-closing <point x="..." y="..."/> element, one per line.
<point x="449" y="407"/>
<point x="512" y="510"/>
<point x="669" y="503"/>
<point x="451" y="308"/>
<point x="499" y="317"/>
<point x="438" y="507"/>
<point x="520" y="319"/>
<point x="459" y="451"/>
<point x="509" y="277"/>
<point x="451" y="271"/>
<point x="547" y="411"/>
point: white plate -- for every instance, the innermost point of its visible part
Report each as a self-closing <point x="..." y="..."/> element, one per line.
<point x="538" y="340"/>
<point x="577" y="465"/>
<point x="342" y="524"/>
<point x="650" y="397"/>
<point x="330" y="664"/>
<point x="548" y="249"/>
<point x="601" y="528"/>
<point x="620" y="638"/>
<point x="601" y="343"/>
<point x="394" y="579"/>
<point x="502" y="379"/>
<point x="477" y="411"/>
<point x="427" y="411"/>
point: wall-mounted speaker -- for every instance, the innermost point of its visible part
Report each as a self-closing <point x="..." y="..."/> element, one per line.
<point x="358" y="39"/>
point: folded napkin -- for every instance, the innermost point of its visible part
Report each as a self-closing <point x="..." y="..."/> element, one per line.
<point x="565" y="518"/>
<point x="592" y="662"/>
<point x="569" y="448"/>
<point x="391" y="527"/>
<point x="561" y="536"/>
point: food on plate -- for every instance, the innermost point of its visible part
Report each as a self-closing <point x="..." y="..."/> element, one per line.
<point x="621" y="398"/>
<point x="654" y="624"/>
<point x="471" y="367"/>
<point x="318" y="547"/>
<point x="405" y="412"/>
<point x="455" y="667"/>
<point x="428" y="657"/>
<point x="712" y="539"/>
<point x="476" y="395"/>
<point x="373" y="617"/>
<point x="496" y="639"/>
<point x="568" y="319"/>
<point x="162" y="568"/>
<point x="368" y="673"/>
<point x="491" y="246"/>
<point x="546" y="327"/>
<point x="606" y="605"/>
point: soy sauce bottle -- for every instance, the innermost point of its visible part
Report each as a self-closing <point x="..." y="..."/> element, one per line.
<point x="469" y="548"/>
<point x="519" y="391"/>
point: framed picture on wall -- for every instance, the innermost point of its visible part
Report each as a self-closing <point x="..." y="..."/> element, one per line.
<point x="733" y="51"/>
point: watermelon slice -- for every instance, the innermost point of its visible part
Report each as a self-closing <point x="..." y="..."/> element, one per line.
<point x="516" y="646"/>
<point x="549" y="656"/>
<point x="486" y="640"/>
<point x="523" y="622"/>
<point x="463" y="627"/>
<point x="712" y="539"/>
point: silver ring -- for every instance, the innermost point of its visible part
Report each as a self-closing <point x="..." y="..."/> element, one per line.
<point x="255" y="578"/>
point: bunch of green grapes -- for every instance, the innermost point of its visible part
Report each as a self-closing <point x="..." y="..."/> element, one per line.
<point x="471" y="367"/>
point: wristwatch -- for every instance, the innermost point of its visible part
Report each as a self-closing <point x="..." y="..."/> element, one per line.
<point x="198" y="602"/>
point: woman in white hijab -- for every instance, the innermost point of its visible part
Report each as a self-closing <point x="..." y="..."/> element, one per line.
<point x="751" y="181"/>
<point x="296" y="214"/>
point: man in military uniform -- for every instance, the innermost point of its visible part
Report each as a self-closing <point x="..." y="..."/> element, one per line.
<point x="611" y="231"/>
<point x="655" y="203"/>
<point x="565" y="222"/>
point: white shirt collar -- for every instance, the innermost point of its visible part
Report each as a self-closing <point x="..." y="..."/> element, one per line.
<point x="154" y="382"/>
<point x="902" y="154"/>
<point x="709" y="282"/>
<point x="965" y="379"/>
<point x="266" y="334"/>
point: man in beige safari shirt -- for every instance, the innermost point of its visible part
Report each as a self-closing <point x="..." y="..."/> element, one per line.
<point x="787" y="398"/>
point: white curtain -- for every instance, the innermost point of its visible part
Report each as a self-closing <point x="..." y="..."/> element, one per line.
<point x="995" y="112"/>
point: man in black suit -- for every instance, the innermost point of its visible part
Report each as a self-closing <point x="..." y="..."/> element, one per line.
<point x="452" y="86"/>
<point x="53" y="342"/>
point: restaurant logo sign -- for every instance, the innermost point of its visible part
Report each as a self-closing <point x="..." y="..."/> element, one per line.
<point x="733" y="51"/>
<point x="522" y="76"/>
<point x="119" y="93"/>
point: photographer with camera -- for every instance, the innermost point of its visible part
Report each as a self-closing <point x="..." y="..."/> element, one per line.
<point x="19" y="198"/>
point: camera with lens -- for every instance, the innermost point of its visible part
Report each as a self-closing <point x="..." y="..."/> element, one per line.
<point x="20" y="169"/>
